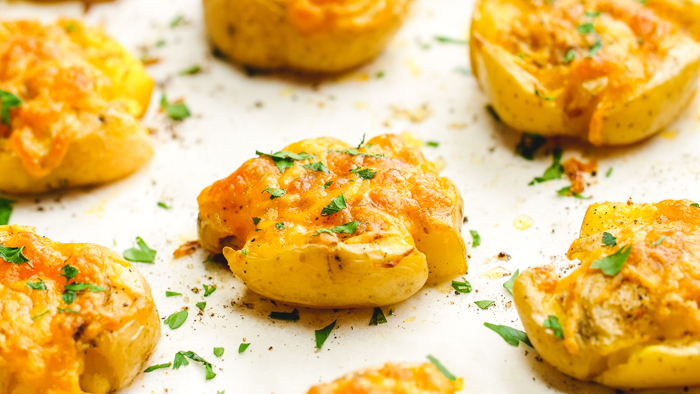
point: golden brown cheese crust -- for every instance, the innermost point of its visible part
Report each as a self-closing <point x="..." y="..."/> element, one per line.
<point x="610" y="323"/>
<point x="317" y="36"/>
<point x="406" y="213"/>
<point x="95" y="344"/>
<point x="393" y="378"/>
<point x="81" y="95"/>
<point x="585" y="64"/>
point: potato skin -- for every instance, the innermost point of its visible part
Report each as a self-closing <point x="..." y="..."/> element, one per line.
<point x="624" y="93"/>
<point x="304" y="35"/>
<point x="636" y="329"/>
<point x="97" y="350"/>
<point x="392" y="378"/>
<point x="409" y="230"/>
<point x="82" y="95"/>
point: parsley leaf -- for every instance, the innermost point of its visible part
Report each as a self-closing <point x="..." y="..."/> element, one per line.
<point x="155" y="367"/>
<point x="529" y="145"/>
<point x="364" y="173"/>
<point x="5" y="210"/>
<point x="359" y="146"/>
<point x="7" y="101"/>
<point x="610" y="171"/>
<point x="40" y="315"/>
<point x="555" y="171"/>
<point x="256" y="221"/>
<point x="242" y="347"/>
<point x="284" y="159"/>
<point x="337" y="204"/>
<point x="325" y="185"/>
<point x="354" y="152"/>
<point x="143" y="254"/>
<point x="69" y="272"/>
<point x="348" y="228"/>
<point x="541" y="95"/>
<point x="172" y="294"/>
<point x="274" y="193"/>
<point x="218" y="351"/>
<point x="201" y="305"/>
<point x="208" y="290"/>
<point x="14" y="255"/>
<point x="509" y="284"/>
<point x="432" y="144"/>
<point x="449" y="40"/>
<point x="566" y="192"/>
<point x="192" y="70"/>
<point x="280" y="226"/>
<point x="476" y="238"/>
<point x="377" y="317"/>
<point x="609" y="239"/>
<point x="38" y="285"/>
<point x="292" y="316"/>
<point x="659" y="241"/>
<point x="163" y="205"/>
<point x="695" y="205"/>
<point x="318" y="166"/>
<point x="68" y="296"/>
<point x="586" y="28"/>
<point x="484" y="304"/>
<point x="592" y="14"/>
<point x="510" y="335"/>
<point x="462" y="287"/>
<point x="552" y="323"/>
<point x="570" y="55"/>
<point x="612" y="264"/>
<point x="181" y="360"/>
<point x="322" y="334"/>
<point x="441" y="368"/>
<point x="67" y="310"/>
<point x="592" y="51"/>
<point x="176" y="21"/>
<point x="84" y="286"/>
<point x="175" y="111"/>
<point x="177" y="319"/>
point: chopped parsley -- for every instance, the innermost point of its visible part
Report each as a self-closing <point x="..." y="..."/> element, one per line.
<point x="441" y="368"/>
<point x="484" y="304"/>
<point x="84" y="286"/>
<point x="175" y="111"/>
<point x="348" y="228"/>
<point x="5" y="210"/>
<point x="40" y="315"/>
<point x="432" y="144"/>
<point x="609" y="239"/>
<point x="159" y="366"/>
<point x="592" y="51"/>
<point x="377" y="317"/>
<point x="242" y="347"/>
<point x="337" y="204"/>
<point x="172" y="294"/>
<point x="541" y="95"/>
<point x="509" y="284"/>
<point x="570" y="55"/>
<point x="163" y="205"/>
<point x="38" y="285"/>
<point x="192" y="70"/>
<point x="476" y="238"/>
<point x="612" y="264"/>
<point x="284" y="160"/>
<point x="69" y="272"/>
<point x="592" y="14"/>
<point x="7" y="101"/>
<point x="529" y="145"/>
<point x="14" y="255"/>
<point x="322" y="334"/>
<point x="354" y="152"/>
<point x="208" y="289"/>
<point x="491" y="110"/>
<point x="256" y="221"/>
<point x="695" y="205"/>
<point x="318" y="166"/>
<point x="292" y="316"/>
<point x="555" y="171"/>
<point x="280" y="226"/>
<point x="659" y="241"/>
<point x="325" y="185"/>
<point x="380" y="74"/>
<point x="364" y="173"/>
<point x="566" y="192"/>
<point x="67" y="310"/>
<point x="449" y="40"/>
<point x="218" y="351"/>
<point x="181" y="359"/>
<point x="610" y="171"/>
<point x="462" y="287"/>
<point x="510" y="335"/>
<point x="201" y="305"/>
<point x="362" y="142"/>
<point x="176" y="21"/>
<point x="177" y="319"/>
<point x="143" y="254"/>
<point x="274" y="193"/>
<point x="586" y="28"/>
<point x="244" y="252"/>
<point x="552" y="323"/>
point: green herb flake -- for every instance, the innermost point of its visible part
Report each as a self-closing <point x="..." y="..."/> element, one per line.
<point x="529" y="145"/>
<point x="348" y="228"/>
<point x="208" y="289"/>
<point x="143" y="254"/>
<point x="175" y="111"/>
<point x="67" y="310"/>
<point x="552" y="323"/>
<point x="163" y="205"/>
<point x="40" y="315"/>
<point x="218" y="351"/>
<point x="510" y="335"/>
<point x="570" y="56"/>
<point x="322" y="334"/>
<point x="156" y="367"/>
<point x="592" y="51"/>
<point x="70" y="28"/>
<point x="362" y="142"/>
<point x="175" y="22"/>
<point x="592" y="14"/>
<point x="280" y="226"/>
<point x="84" y="286"/>
<point x="484" y="304"/>
<point x="256" y="221"/>
<point x="180" y="360"/>
<point x="610" y="171"/>
<point x="69" y="272"/>
<point x="38" y="285"/>
<point x="244" y="252"/>
<point x="441" y="368"/>
<point x="432" y="144"/>
<point x="462" y="287"/>
<point x="364" y="173"/>
<point x="160" y="43"/>
<point x="609" y="239"/>
<point x="659" y="241"/>
<point x="274" y="193"/>
<point x="7" y="102"/>
<point x="377" y="317"/>
<point x="354" y="152"/>
<point x="177" y="319"/>
<point x="172" y="294"/>
<point x="5" y="210"/>
<point x="337" y="204"/>
<point x="541" y="95"/>
<point x="284" y="160"/>
<point x="449" y="40"/>
<point x="695" y="205"/>
<point x="476" y="238"/>
<point x="325" y="185"/>
<point x="68" y="296"/>
<point x="379" y="74"/>
<point x="192" y="70"/>
<point x="586" y="28"/>
<point x="555" y="171"/>
<point x="509" y="284"/>
<point x="612" y="264"/>
<point x="292" y="316"/>
<point x="318" y="166"/>
<point x="14" y="255"/>
<point x="242" y="347"/>
<point x="201" y="305"/>
<point x="566" y="192"/>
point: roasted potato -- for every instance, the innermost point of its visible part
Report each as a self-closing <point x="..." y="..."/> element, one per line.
<point x="404" y="378"/>
<point x="315" y="36"/>
<point x="629" y="316"/>
<point x="74" y="318"/>
<point x="80" y="96"/>
<point x="322" y="224"/>
<point x="608" y="71"/>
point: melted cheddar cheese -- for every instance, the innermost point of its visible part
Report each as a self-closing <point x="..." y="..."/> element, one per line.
<point x="312" y="16"/>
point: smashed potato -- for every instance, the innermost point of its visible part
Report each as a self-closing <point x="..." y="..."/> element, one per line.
<point x="317" y="36"/>
<point x="608" y="71"/>
<point x="629" y="316"/>
<point x="73" y="317"/>
<point x="70" y="98"/>
<point x="404" y="378"/>
<point x="322" y="224"/>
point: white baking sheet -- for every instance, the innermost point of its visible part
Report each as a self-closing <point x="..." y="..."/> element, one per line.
<point x="235" y="114"/>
